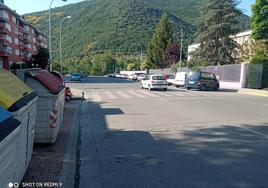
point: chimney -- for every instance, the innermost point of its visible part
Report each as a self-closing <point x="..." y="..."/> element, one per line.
<point x="2" y="1"/>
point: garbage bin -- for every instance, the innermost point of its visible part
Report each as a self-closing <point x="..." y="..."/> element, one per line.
<point x="50" y="91"/>
<point x="21" y="101"/>
<point x="9" y="139"/>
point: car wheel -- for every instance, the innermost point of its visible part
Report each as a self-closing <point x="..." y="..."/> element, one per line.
<point x="165" y="89"/>
<point x="149" y="88"/>
<point x="188" y="88"/>
<point x="216" y="88"/>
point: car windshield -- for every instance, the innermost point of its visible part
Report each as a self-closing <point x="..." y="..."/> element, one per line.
<point x="193" y="76"/>
<point x="157" y="78"/>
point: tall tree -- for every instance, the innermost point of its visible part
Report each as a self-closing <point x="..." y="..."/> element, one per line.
<point x="162" y="39"/>
<point x="260" y="20"/>
<point x="219" y="21"/>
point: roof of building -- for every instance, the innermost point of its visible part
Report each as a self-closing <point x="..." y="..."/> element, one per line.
<point x="21" y="18"/>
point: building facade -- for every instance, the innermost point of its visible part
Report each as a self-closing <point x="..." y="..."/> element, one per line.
<point x="243" y="40"/>
<point x="19" y="40"/>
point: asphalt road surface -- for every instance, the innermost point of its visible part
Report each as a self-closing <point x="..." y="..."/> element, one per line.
<point x="133" y="138"/>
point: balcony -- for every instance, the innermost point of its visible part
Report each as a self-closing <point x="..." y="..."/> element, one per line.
<point x="21" y="29"/>
<point x="3" y="29"/>
<point x="4" y="42"/>
<point x="4" y="52"/>
<point x="3" y="19"/>
<point x="21" y="46"/>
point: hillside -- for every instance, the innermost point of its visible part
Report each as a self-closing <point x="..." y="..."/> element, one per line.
<point x="118" y="25"/>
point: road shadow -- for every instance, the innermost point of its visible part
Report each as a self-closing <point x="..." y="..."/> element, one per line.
<point x="214" y="157"/>
<point x="100" y="80"/>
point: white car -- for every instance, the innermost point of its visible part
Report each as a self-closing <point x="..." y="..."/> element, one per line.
<point x="155" y="81"/>
<point x="180" y="79"/>
<point x="141" y="77"/>
<point x="171" y="80"/>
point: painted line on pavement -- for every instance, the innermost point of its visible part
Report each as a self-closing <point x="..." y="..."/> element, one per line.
<point x="253" y="131"/>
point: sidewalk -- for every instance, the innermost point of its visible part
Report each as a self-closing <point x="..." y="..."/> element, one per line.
<point x="48" y="160"/>
<point x="256" y="92"/>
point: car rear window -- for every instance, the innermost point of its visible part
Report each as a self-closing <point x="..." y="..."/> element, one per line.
<point x="76" y="75"/>
<point x="193" y="76"/>
<point x="158" y="78"/>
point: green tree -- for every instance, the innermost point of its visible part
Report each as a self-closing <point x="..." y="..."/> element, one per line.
<point x="103" y="64"/>
<point x="218" y="23"/>
<point x="131" y="67"/>
<point x="144" y="65"/>
<point x="41" y="58"/>
<point x="162" y="38"/>
<point x="84" y="66"/>
<point x="260" y="20"/>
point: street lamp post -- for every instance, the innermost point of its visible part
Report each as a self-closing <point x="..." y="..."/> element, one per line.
<point x="181" y="49"/>
<point x="49" y="34"/>
<point x="61" y="62"/>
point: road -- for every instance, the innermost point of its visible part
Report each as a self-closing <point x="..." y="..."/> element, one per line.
<point x="129" y="137"/>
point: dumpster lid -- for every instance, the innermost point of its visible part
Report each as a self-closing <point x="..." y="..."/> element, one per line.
<point x="12" y="90"/>
<point x="58" y="76"/>
<point x="7" y="127"/>
<point x="4" y="114"/>
<point x="53" y="84"/>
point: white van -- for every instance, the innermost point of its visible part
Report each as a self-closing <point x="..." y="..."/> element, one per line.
<point x="180" y="79"/>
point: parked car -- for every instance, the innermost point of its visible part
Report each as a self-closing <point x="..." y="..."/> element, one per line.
<point x="201" y="80"/>
<point x="141" y="77"/>
<point x="130" y="76"/>
<point x="180" y="79"/>
<point x="76" y="77"/>
<point x="171" y="80"/>
<point x="156" y="81"/>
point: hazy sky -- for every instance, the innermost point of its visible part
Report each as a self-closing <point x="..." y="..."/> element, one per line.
<point x="28" y="6"/>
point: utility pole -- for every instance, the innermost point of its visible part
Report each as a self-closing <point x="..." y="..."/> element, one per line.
<point x="181" y="46"/>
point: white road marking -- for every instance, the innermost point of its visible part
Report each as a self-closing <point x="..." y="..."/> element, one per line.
<point x="176" y="93"/>
<point x="96" y="96"/>
<point x="136" y="94"/>
<point x="123" y="94"/>
<point x="110" y="95"/>
<point x="256" y="132"/>
<point x="148" y="93"/>
<point x="162" y="93"/>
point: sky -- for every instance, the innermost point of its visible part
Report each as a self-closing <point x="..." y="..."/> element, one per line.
<point x="28" y="6"/>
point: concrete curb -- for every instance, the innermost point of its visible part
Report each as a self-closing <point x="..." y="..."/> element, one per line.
<point x="256" y="92"/>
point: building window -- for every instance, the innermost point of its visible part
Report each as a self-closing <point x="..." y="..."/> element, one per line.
<point x="10" y="50"/>
<point x="16" y="41"/>
<point x="27" y="29"/>
<point x="8" y="38"/>
<point x="4" y="14"/>
<point x="8" y="27"/>
<point x="14" y="20"/>
<point x="17" y="52"/>
<point x="28" y="46"/>
<point x="1" y="64"/>
<point x="16" y="30"/>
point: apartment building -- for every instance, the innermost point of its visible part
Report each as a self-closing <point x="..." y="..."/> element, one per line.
<point x="19" y="40"/>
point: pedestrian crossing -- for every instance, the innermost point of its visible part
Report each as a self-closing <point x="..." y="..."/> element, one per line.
<point x="107" y="95"/>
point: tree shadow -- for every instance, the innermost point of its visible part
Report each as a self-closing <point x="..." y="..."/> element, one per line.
<point x="231" y="156"/>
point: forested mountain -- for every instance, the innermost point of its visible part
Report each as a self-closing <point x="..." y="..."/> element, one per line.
<point x="118" y="25"/>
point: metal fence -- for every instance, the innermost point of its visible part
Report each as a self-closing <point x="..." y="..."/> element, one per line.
<point x="167" y="71"/>
<point x="250" y="74"/>
<point x="225" y="73"/>
<point x="254" y="76"/>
